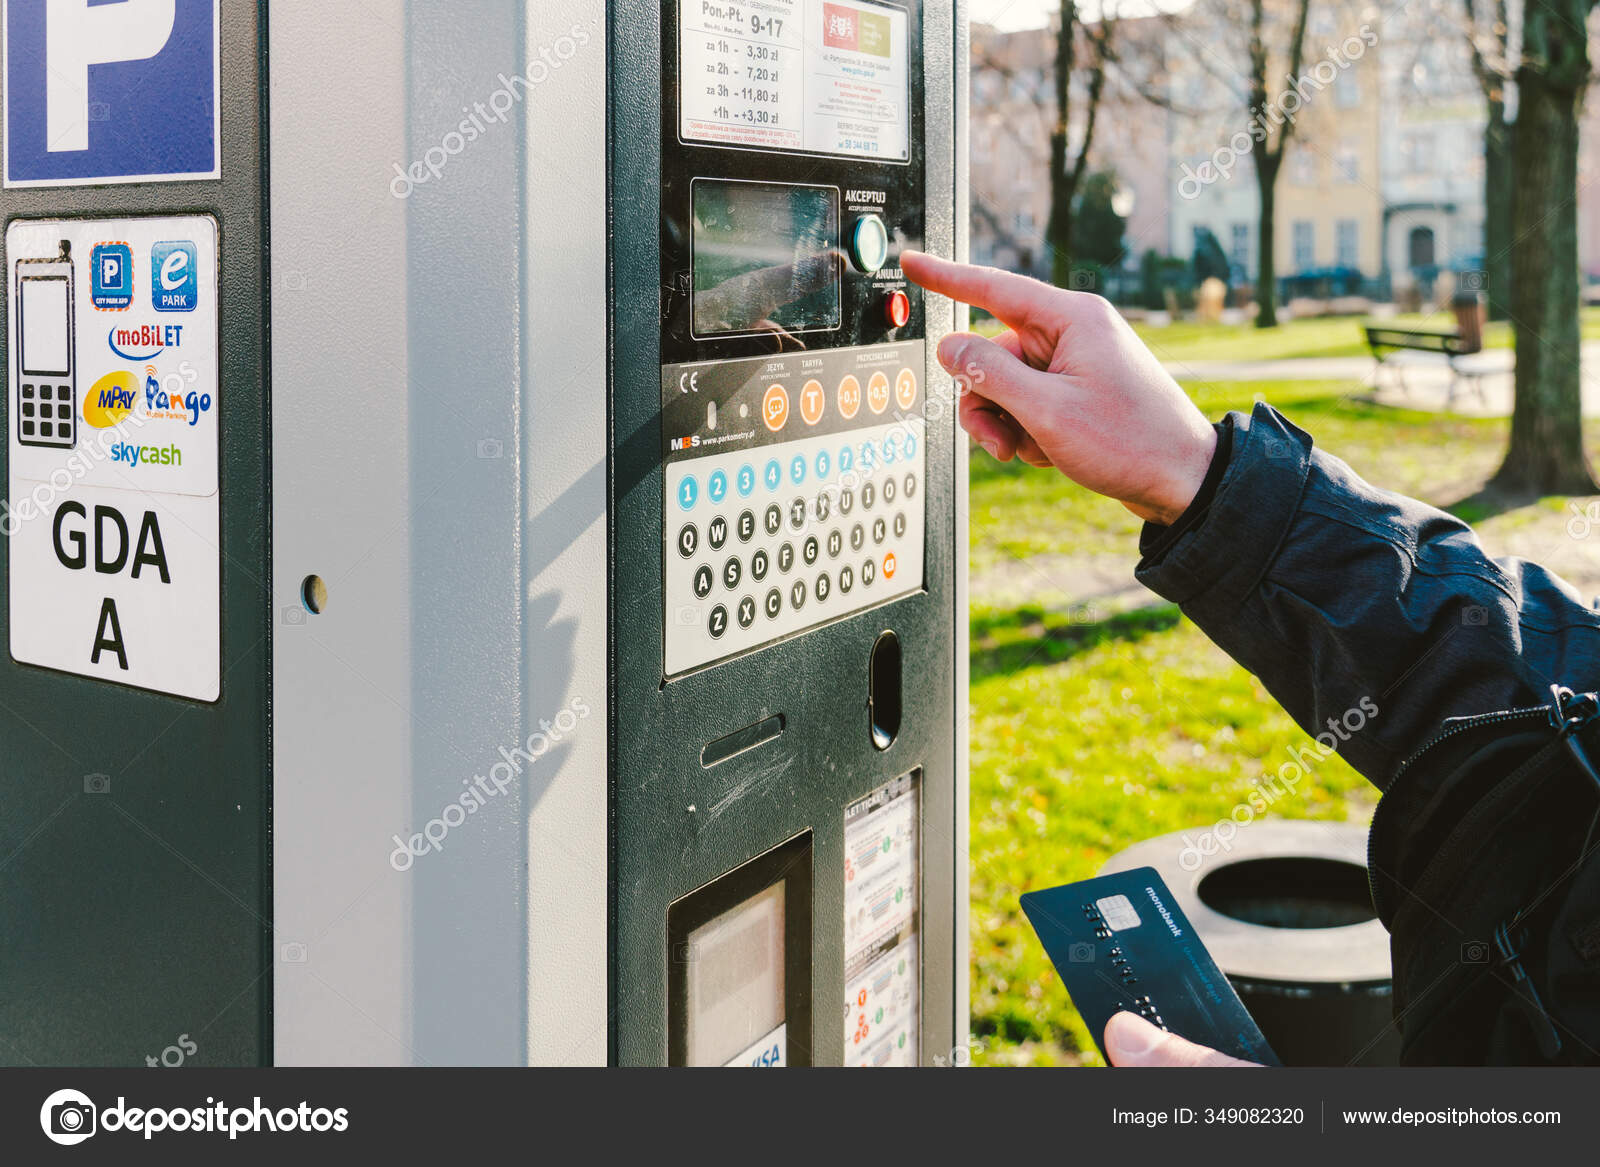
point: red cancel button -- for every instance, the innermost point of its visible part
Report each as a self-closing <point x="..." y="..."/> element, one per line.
<point x="897" y="309"/>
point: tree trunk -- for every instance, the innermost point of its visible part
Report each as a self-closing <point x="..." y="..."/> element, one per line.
<point x="1266" y="268"/>
<point x="1062" y="184"/>
<point x="1546" y="453"/>
<point x="1497" y="136"/>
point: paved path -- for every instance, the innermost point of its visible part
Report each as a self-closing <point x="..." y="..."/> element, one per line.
<point x="1416" y="380"/>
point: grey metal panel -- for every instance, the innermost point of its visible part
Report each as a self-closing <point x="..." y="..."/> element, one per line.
<point x="564" y="425"/>
<point x="341" y="508"/>
<point x="464" y="328"/>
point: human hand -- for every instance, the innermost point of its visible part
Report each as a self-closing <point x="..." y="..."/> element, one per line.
<point x="1133" y="1041"/>
<point x="1070" y="385"/>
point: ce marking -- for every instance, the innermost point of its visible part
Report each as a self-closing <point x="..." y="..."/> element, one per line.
<point x="689" y="381"/>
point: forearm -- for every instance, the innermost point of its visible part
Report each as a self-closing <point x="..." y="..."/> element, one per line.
<point x="1342" y="597"/>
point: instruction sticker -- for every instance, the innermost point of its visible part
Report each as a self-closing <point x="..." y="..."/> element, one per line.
<point x="881" y="973"/>
<point x="113" y="404"/>
<point x="818" y="76"/>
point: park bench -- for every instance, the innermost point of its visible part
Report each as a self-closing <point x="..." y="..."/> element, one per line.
<point x="1391" y="346"/>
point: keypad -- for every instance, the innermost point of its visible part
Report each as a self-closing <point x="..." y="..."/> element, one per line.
<point x="765" y="543"/>
<point x="44" y="415"/>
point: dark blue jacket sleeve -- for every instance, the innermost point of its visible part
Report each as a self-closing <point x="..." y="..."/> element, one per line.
<point x="1343" y="597"/>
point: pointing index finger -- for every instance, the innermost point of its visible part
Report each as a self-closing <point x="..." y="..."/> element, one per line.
<point x="1016" y="300"/>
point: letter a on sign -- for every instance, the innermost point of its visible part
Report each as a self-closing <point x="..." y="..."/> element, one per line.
<point x="99" y="92"/>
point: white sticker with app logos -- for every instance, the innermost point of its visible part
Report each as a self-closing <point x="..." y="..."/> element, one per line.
<point x="113" y="414"/>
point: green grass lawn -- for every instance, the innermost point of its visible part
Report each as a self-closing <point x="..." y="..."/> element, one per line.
<point x="1322" y="337"/>
<point x="1090" y="734"/>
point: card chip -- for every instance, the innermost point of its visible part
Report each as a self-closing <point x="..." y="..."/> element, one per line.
<point x="1118" y="912"/>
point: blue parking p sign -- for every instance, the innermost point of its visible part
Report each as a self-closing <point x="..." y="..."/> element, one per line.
<point x="110" y="91"/>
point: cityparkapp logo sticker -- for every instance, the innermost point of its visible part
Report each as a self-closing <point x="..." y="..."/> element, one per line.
<point x="111" y="276"/>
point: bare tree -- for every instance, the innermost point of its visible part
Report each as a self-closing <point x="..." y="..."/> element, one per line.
<point x="1488" y="32"/>
<point x="1268" y="145"/>
<point x="1067" y="167"/>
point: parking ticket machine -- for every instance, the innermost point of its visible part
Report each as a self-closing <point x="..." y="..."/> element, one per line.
<point x="492" y="589"/>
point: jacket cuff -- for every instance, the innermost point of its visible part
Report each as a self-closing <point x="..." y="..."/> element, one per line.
<point x="1224" y="557"/>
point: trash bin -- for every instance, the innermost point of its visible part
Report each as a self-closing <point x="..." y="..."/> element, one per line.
<point x="1286" y="913"/>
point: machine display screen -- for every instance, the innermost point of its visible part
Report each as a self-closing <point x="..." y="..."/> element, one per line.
<point x="809" y="76"/>
<point x="766" y="257"/>
<point x="736" y="990"/>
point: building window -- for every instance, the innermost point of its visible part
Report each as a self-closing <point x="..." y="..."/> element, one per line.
<point x="1417" y="152"/>
<point x="1302" y="167"/>
<point x="1239" y="245"/>
<point x="1347" y="244"/>
<point x="1305" y="244"/>
<point x="1419" y="247"/>
<point x="1347" y="164"/>
<point x="1346" y="91"/>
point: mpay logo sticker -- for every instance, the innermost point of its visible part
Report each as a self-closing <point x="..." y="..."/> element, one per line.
<point x="111" y="284"/>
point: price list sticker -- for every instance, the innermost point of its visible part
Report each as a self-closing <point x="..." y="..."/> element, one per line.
<point x="741" y="69"/>
<point x="817" y="76"/>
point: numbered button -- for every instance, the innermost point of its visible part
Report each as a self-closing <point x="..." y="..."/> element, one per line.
<point x="847" y="579"/>
<point x="759" y="564"/>
<point x="858" y="537"/>
<point x="847" y="459"/>
<point x="774" y="603"/>
<point x="774" y="519"/>
<point x="869" y="457"/>
<point x="811" y="550"/>
<point x="747" y="612"/>
<point x="703" y="579"/>
<point x="824" y="463"/>
<point x="823" y="587"/>
<point x="785" y="557"/>
<point x="772" y="475"/>
<point x="835" y="544"/>
<point x="900" y="525"/>
<point x="718" y="624"/>
<point x="745" y="480"/>
<point x="869" y="572"/>
<point x="717" y="486"/>
<point x="747" y="526"/>
<point x="797" y="513"/>
<point x="880" y="530"/>
<point x="717" y="532"/>
<point x="797" y="594"/>
<point x="891" y="450"/>
<point x="688" y="492"/>
<point x="797" y="469"/>
<point x="911" y="446"/>
<point x="688" y="540"/>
